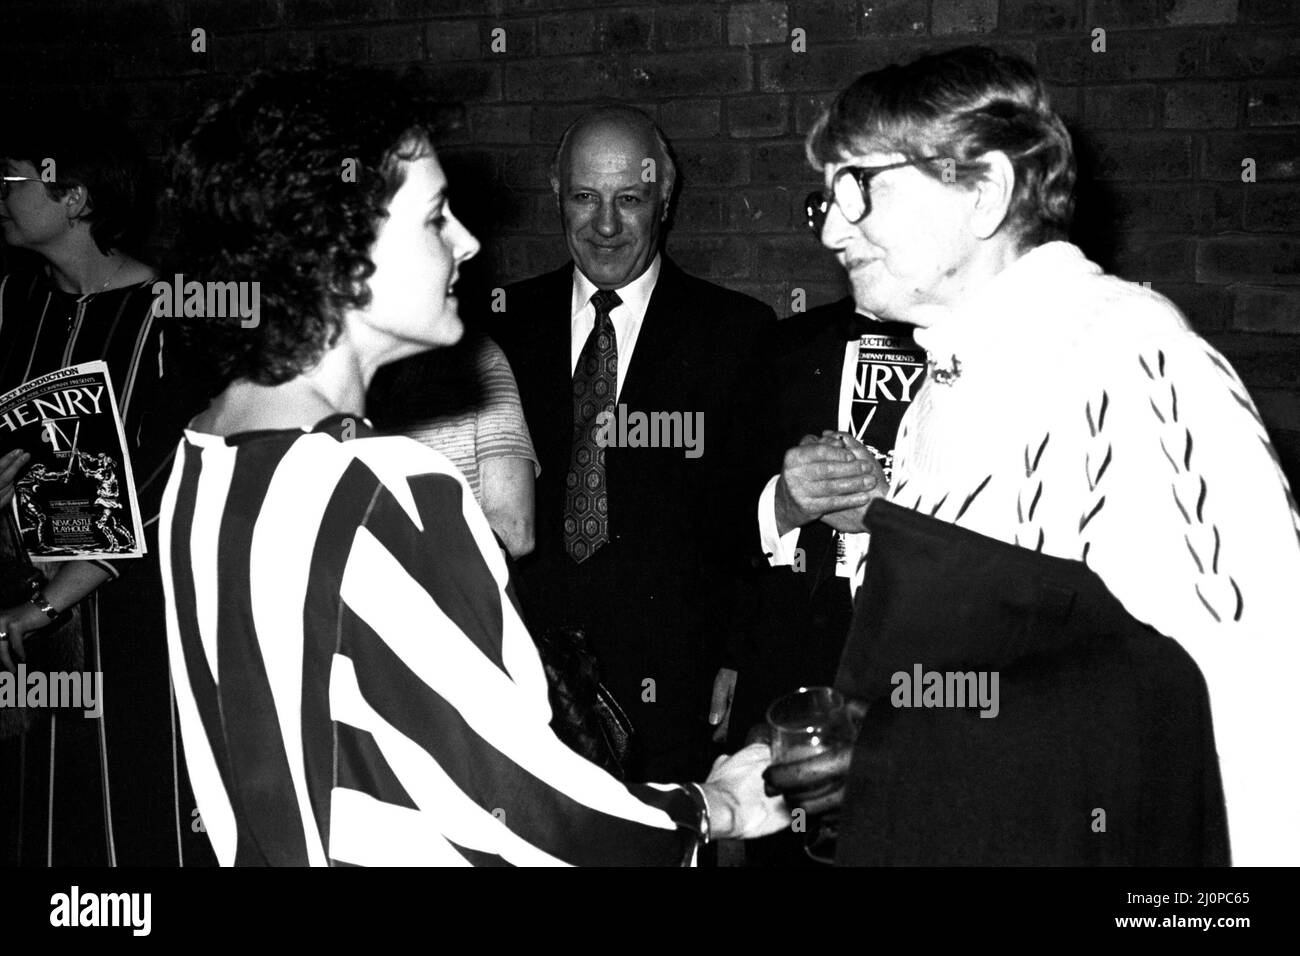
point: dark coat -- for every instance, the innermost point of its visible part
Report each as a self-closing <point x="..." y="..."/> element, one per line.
<point x="1102" y="750"/>
<point x="657" y="601"/>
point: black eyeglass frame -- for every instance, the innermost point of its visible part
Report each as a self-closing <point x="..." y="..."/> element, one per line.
<point x="818" y="203"/>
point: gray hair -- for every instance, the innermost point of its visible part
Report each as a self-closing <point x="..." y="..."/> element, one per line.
<point x="961" y="104"/>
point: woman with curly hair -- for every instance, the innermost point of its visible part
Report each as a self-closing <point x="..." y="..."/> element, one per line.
<point x="355" y="683"/>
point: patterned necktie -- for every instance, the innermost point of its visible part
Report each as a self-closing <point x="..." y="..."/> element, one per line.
<point x="595" y="384"/>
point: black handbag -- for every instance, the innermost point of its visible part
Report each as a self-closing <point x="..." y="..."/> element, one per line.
<point x="585" y="714"/>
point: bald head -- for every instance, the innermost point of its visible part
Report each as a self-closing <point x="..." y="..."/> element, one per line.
<point x="636" y="131"/>
<point x="612" y="177"/>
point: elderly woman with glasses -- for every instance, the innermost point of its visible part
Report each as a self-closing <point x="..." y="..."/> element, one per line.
<point x="1067" y="412"/>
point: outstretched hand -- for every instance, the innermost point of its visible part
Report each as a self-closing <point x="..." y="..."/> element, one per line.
<point x="739" y="807"/>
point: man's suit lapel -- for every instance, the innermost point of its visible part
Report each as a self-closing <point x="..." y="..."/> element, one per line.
<point x="828" y="371"/>
<point x="662" y="333"/>
<point x="549" y="349"/>
<point x="809" y="359"/>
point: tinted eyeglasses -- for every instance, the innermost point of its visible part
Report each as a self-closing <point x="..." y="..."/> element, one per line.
<point x="851" y="191"/>
<point x="4" y="183"/>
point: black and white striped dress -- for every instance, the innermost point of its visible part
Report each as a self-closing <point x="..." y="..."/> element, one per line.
<point x="111" y="790"/>
<point x="354" y="680"/>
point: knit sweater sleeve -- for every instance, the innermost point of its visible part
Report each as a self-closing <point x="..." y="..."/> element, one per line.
<point x="1185" y="510"/>
<point x="1185" y="514"/>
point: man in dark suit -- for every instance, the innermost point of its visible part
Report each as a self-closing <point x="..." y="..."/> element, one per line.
<point x="833" y="370"/>
<point x="638" y="383"/>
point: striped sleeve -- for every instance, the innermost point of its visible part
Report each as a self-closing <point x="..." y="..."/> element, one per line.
<point x="354" y="680"/>
<point x="436" y="675"/>
<point x="502" y="431"/>
<point x="453" y="435"/>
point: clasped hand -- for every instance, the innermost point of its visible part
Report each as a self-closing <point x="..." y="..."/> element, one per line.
<point x="831" y="478"/>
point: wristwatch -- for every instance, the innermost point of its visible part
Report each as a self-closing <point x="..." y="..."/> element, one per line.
<point x="38" y="598"/>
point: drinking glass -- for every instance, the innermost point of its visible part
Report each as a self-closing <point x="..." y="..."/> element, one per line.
<point x="805" y="723"/>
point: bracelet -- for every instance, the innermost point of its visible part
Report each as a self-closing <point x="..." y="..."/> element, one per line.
<point x="38" y="598"/>
<point x="701" y="804"/>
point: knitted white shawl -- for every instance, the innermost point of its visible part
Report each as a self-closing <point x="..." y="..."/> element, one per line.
<point x="1088" y="421"/>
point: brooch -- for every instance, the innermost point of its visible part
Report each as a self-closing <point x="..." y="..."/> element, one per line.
<point x="944" y="376"/>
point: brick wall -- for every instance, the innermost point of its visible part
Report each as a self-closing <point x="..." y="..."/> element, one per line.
<point x="1184" y="93"/>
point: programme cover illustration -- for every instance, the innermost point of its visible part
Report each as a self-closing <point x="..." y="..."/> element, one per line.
<point x="76" y="499"/>
<point x="890" y="371"/>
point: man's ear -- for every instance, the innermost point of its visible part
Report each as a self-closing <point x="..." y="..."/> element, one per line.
<point x="993" y="193"/>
